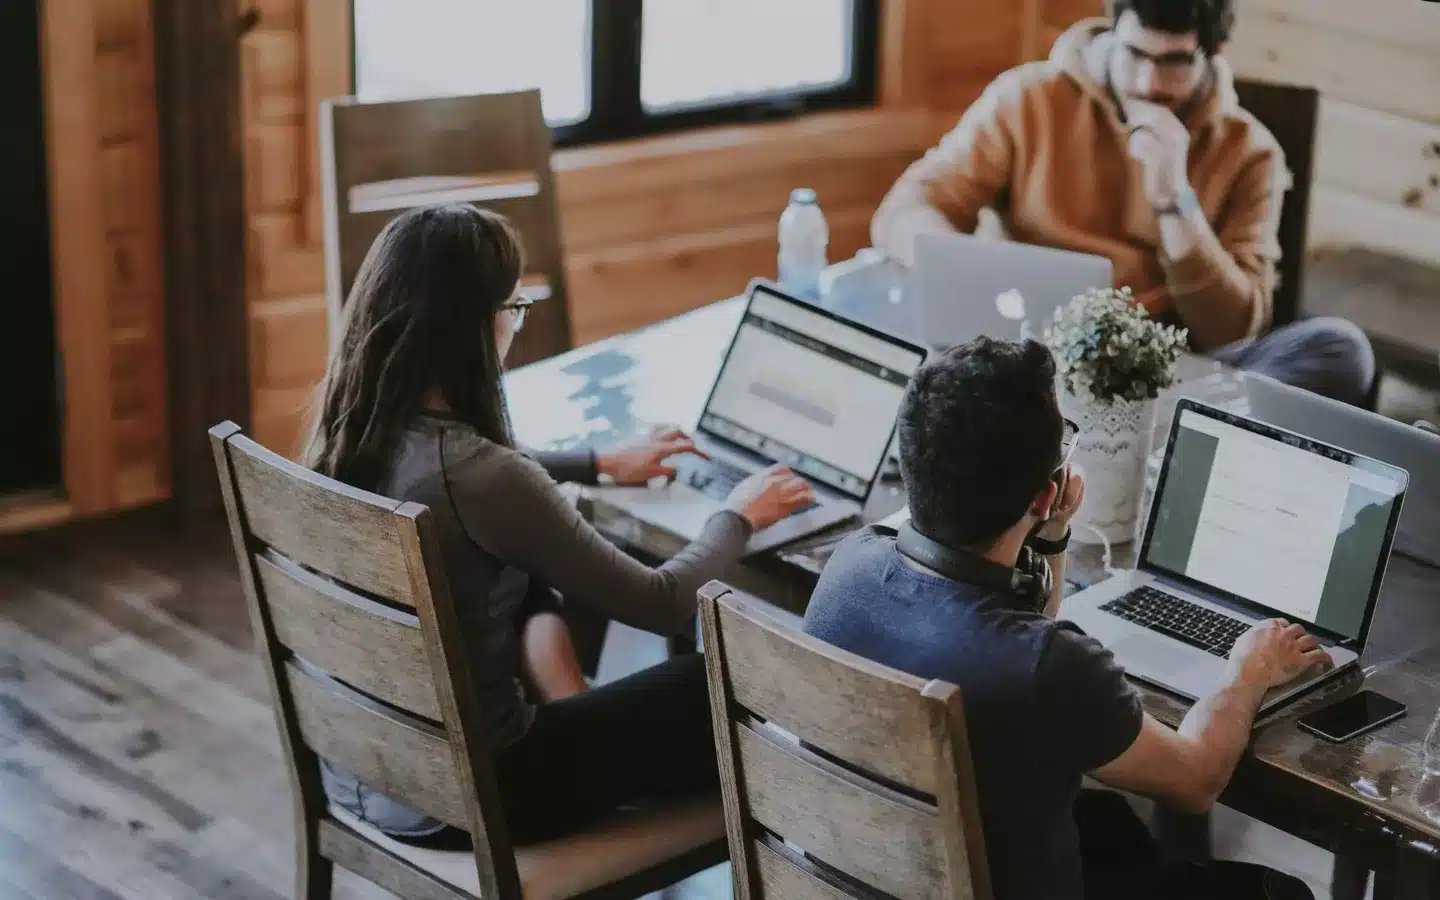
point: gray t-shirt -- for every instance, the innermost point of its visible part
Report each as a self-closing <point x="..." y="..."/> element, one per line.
<point x="1044" y="703"/>
<point x="501" y="520"/>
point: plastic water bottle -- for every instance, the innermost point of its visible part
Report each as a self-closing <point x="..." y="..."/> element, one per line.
<point x="803" y="238"/>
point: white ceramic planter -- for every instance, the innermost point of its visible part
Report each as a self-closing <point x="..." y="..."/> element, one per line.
<point x="1114" y="439"/>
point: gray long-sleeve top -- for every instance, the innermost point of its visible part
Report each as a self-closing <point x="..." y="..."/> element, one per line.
<point x="502" y="520"/>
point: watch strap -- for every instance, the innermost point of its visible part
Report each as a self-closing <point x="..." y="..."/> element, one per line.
<point x="1048" y="548"/>
<point x="1185" y="204"/>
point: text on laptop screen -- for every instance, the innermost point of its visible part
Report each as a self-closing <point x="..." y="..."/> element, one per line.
<point x="810" y="391"/>
<point x="1276" y="524"/>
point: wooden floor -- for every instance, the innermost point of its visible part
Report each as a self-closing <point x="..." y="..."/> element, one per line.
<point x="138" y="755"/>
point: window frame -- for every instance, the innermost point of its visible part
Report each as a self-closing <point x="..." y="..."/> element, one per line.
<point x="616" y="110"/>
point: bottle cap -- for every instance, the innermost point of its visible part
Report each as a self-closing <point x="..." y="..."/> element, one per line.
<point x="803" y="196"/>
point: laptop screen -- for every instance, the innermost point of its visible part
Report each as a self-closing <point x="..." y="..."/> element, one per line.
<point x="812" y="391"/>
<point x="1262" y="515"/>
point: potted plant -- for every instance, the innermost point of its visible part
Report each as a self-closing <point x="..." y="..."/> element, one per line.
<point x="1112" y="361"/>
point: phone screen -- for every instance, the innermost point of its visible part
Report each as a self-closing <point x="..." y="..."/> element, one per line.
<point x="1355" y="714"/>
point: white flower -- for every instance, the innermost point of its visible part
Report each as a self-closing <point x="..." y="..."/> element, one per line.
<point x="1107" y="347"/>
<point x="1011" y="305"/>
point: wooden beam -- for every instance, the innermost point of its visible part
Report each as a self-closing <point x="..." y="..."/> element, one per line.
<point x="902" y="59"/>
<point x="329" y="67"/>
<point x="77" y="242"/>
<point x="1032" y="15"/>
<point x="198" y="85"/>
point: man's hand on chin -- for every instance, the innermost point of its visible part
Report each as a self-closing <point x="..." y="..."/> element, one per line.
<point x="1161" y="144"/>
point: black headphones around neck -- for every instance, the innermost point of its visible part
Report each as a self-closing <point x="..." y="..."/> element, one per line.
<point x="1029" y="581"/>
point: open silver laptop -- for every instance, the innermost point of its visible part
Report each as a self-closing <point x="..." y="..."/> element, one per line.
<point x="800" y="386"/>
<point x="1249" y="522"/>
<point x="961" y="288"/>
<point x="1413" y="449"/>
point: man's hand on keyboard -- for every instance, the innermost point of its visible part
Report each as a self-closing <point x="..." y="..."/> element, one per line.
<point x="646" y="460"/>
<point x="1274" y="652"/>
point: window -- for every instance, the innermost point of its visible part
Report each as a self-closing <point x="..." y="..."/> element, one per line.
<point x="617" y="68"/>
<point x="428" y="48"/>
<point x="700" y="52"/>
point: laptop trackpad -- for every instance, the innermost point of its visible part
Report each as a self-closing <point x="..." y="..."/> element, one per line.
<point x="1145" y="655"/>
<point x="1159" y="660"/>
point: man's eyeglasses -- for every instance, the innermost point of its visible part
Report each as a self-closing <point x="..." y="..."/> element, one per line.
<point x="520" y="306"/>
<point x="1176" y="64"/>
<point x="1069" y="440"/>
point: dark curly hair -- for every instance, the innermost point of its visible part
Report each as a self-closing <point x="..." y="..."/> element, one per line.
<point x="980" y="434"/>
<point x="1210" y="19"/>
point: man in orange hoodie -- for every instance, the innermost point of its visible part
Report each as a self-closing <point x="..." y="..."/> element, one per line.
<point x="1129" y="143"/>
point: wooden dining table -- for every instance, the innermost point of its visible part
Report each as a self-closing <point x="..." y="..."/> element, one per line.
<point x="1374" y="801"/>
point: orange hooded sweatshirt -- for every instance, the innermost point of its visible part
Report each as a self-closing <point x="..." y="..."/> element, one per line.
<point x="1045" y="148"/>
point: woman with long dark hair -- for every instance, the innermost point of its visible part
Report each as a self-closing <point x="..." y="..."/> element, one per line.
<point x="413" y="407"/>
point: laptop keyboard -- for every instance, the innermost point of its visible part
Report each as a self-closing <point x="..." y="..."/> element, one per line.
<point x="717" y="478"/>
<point x="1182" y="620"/>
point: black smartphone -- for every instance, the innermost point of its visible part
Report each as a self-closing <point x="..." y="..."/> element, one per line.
<point x="1355" y="715"/>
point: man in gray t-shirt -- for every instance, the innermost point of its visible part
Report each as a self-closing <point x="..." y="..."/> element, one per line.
<point x="982" y="450"/>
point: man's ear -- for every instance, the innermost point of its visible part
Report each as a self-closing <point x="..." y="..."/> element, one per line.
<point x="1045" y="500"/>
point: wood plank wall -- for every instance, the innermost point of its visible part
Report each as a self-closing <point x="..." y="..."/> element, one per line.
<point x="657" y="226"/>
<point x="1377" y="65"/>
<point x="102" y="139"/>
<point x="651" y="227"/>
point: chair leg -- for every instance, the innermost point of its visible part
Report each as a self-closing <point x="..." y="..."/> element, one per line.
<point x="314" y="874"/>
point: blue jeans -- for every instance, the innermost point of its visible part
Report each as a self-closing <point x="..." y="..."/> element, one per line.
<point x="1331" y="357"/>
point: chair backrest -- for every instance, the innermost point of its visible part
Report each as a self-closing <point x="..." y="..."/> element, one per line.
<point x="841" y="777"/>
<point x="490" y="150"/>
<point x="358" y="633"/>
<point x="1291" y="113"/>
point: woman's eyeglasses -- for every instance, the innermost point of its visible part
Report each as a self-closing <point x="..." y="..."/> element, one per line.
<point x="520" y="306"/>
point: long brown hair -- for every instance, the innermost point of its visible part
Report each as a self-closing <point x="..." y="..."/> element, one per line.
<point x="420" y="315"/>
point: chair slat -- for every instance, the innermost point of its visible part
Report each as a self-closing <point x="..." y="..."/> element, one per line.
<point x="365" y="644"/>
<point x="356" y="854"/>
<point x="420" y="190"/>
<point x="876" y="836"/>
<point x="436" y="136"/>
<point x="783" y="878"/>
<point x="866" y="714"/>
<point x="400" y="756"/>
<point x="284" y="503"/>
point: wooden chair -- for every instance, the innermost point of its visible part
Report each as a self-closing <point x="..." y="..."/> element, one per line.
<point x="1291" y="113"/>
<point x="491" y="150"/>
<point x="354" y="621"/>
<point x="842" y="778"/>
